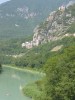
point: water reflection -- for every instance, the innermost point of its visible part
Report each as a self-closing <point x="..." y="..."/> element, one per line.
<point x="12" y="81"/>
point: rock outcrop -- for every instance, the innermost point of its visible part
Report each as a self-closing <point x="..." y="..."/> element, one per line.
<point x="54" y="28"/>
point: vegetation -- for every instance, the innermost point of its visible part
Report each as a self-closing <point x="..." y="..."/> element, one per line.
<point x="60" y="71"/>
<point x="18" y="26"/>
<point x="13" y="46"/>
<point x="72" y="9"/>
<point x="0" y="68"/>
<point x="33" y="90"/>
<point x="71" y="28"/>
<point x="59" y="66"/>
<point x="59" y="83"/>
<point x="34" y="58"/>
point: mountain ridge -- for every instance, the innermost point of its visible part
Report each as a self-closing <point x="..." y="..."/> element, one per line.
<point x="56" y="27"/>
<point x="18" y="18"/>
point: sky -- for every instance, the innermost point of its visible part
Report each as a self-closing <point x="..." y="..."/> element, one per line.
<point x="2" y="1"/>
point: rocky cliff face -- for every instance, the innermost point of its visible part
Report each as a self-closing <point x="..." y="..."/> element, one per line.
<point x="55" y="27"/>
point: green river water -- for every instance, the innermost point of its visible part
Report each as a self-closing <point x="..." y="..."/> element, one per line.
<point x="12" y="81"/>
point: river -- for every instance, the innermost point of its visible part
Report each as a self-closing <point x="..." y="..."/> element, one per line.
<point x="12" y="81"/>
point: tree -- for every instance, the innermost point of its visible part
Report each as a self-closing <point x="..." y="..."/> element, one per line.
<point x="60" y="76"/>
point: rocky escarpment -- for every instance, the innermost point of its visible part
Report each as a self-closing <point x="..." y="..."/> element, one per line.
<point x="55" y="27"/>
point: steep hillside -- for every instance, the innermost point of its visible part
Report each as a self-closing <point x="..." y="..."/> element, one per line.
<point x="59" y="82"/>
<point x="52" y="39"/>
<point x="57" y="57"/>
<point x="19" y="17"/>
<point x="59" y="24"/>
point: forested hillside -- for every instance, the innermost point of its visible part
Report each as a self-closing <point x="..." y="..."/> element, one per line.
<point x="60" y="71"/>
<point x="12" y="52"/>
<point x="59" y="24"/>
<point x="54" y="58"/>
<point x="18" y="18"/>
<point x="59" y="66"/>
<point x="59" y="83"/>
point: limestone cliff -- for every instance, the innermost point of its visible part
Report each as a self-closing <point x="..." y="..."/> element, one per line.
<point x="55" y="27"/>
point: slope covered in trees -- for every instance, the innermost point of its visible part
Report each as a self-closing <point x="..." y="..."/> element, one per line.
<point x="18" y="18"/>
<point x="59" y="83"/>
<point x="59" y="66"/>
<point x="34" y="58"/>
<point x="60" y="76"/>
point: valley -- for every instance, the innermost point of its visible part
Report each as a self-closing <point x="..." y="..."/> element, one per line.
<point x="34" y="41"/>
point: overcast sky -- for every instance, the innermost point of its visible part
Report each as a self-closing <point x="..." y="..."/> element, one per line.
<point x="1" y="1"/>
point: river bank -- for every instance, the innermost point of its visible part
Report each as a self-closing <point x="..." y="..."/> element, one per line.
<point x="24" y="70"/>
<point x="0" y="68"/>
<point x="33" y="89"/>
<point x="13" y="81"/>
